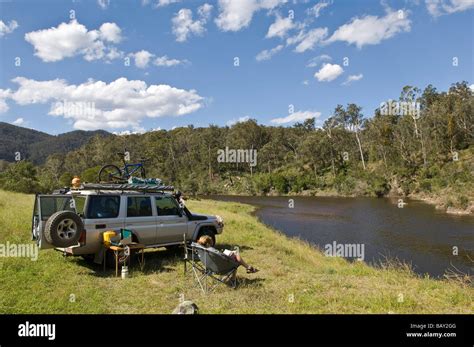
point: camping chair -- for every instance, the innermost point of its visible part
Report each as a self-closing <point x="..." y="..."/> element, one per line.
<point x="209" y="264"/>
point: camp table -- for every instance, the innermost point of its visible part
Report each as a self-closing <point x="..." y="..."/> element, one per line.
<point x="131" y="246"/>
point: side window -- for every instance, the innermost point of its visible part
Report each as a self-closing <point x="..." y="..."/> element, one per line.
<point x="103" y="206"/>
<point x="139" y="206"/>
<point x="166" y="206"/>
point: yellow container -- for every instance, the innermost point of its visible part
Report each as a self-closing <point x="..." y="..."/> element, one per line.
<point x="108" y="235"/>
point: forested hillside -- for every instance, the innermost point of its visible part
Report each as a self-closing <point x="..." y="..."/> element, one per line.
<point x="355" y="152"/>
<point x="36" y="146"/>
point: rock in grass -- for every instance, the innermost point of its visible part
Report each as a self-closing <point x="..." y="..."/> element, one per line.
<point x="186" y="307"/>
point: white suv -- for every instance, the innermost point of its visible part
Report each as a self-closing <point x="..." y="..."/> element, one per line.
<point x="75" y="221"/>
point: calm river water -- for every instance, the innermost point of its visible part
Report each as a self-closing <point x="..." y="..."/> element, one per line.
<point x="417" y="234"/>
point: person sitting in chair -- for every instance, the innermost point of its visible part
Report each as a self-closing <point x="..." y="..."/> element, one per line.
<point x="206" y="241"/>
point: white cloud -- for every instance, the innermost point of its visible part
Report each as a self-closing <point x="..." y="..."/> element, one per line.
<point x="307" y="40"/>
<point x="104" y="4"/>
<point x="71" y="39"/>
<point x="472" y="87"/>
<point x="235" y="15"/>
<point x="239" y="120"/>
<point x="163" y="3"/>
<point x="143" y="58"/>
<point x="184" y="25"/>
<point x="296" y="117"/>
<point x="110" y="32"/>
<point x="352" y="78"/>
<point x="305" y="82"/>
<point x="440" y="7"/>
<point x="97" y="105"/>
<point x="4" y="94"/>
<point x="313" y="62"/>
<point x="328" y="72"/>
<point x="167" y="62"/>
<point x="371" y="30"/>
<point x="280" y="27"/>
<point x="19" y="121"/>
<point x="266" y="54"/>
<point x="7" y="28"/>
<point x="316" y="9"/>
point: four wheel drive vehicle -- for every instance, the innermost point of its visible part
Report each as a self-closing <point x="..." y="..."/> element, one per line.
<point x="75" y="221"/>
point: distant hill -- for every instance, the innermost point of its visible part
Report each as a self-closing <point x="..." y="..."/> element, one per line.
<point x="36" y="146"/>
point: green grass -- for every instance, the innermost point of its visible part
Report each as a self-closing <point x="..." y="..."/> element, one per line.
<point x="288" y="269"/>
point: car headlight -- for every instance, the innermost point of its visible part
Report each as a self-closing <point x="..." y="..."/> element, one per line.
<point x="220" y="221"/>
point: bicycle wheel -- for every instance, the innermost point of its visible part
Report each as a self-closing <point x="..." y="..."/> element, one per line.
<point x="142" y="172"/>
<point x="110" y="173"/>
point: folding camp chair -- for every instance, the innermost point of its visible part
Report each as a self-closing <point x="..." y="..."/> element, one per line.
<point x="209" y="264"/>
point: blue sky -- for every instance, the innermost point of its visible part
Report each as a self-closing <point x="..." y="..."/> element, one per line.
<point x="142" y="65"/>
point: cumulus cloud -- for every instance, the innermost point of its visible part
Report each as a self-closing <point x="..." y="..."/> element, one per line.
<point x="299" y="116"/>
<point x="19" y="121"/>
<point x="7" y="28"/>
<point x="313" y="62"/>
<point x="4" y="94"/>
<point x="328" y="72"/>
<point x="267" y="54"/>
<point x="184" y="25"/>
<point x="371" y="30"/>
<point x="167" y="62"/>
<point x="119" y="104"/>
<point x="72" y="39"/>
<point x="163" y="3"/>
<point x="280" y="27"/>
<point x="441" y="7"/>
<point x="143" y="58"/>
<point x="307" y="40"/>
<point x="235" y="15"/>
<point x="110" y="32"/>
<point x="352" y="78"/>
<point x="239" y="120"/>
<point x="104" y="4"/>
<point x="316" y="9"/>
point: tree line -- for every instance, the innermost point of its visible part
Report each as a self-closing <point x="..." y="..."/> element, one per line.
<point x="401" y="151"/>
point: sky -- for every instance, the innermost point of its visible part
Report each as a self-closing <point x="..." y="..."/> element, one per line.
<point x="136" y="66"/>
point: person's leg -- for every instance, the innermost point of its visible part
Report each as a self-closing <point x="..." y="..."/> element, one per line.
<point x="238" y="258"/>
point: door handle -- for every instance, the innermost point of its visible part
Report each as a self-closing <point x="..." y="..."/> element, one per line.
<point x="100" y="226"/>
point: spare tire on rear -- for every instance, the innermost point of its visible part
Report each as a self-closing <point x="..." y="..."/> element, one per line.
<point x="63" y="229"/>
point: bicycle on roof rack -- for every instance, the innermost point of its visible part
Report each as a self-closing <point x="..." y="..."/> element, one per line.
<point x="113" y="174"/>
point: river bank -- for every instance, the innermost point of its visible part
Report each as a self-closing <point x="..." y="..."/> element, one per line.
<point x="294" y="277"/>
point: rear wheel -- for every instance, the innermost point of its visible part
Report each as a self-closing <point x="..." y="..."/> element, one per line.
<point x="110" y="173"/>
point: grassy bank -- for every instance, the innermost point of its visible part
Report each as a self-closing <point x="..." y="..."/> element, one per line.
<point x="290" y="269"/>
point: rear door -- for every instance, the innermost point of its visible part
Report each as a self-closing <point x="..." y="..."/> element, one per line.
<point x="172" y="223"/>
<point x="45" y="206"/>
<point x="141" y="218"/>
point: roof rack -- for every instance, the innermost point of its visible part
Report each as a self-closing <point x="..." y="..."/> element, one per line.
<point x="150" y="188"/>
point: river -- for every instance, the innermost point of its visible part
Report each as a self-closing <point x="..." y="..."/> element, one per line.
<point x="432" y="241"/>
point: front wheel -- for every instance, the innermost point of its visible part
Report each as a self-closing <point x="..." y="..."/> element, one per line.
<point x="110" y="173"/>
